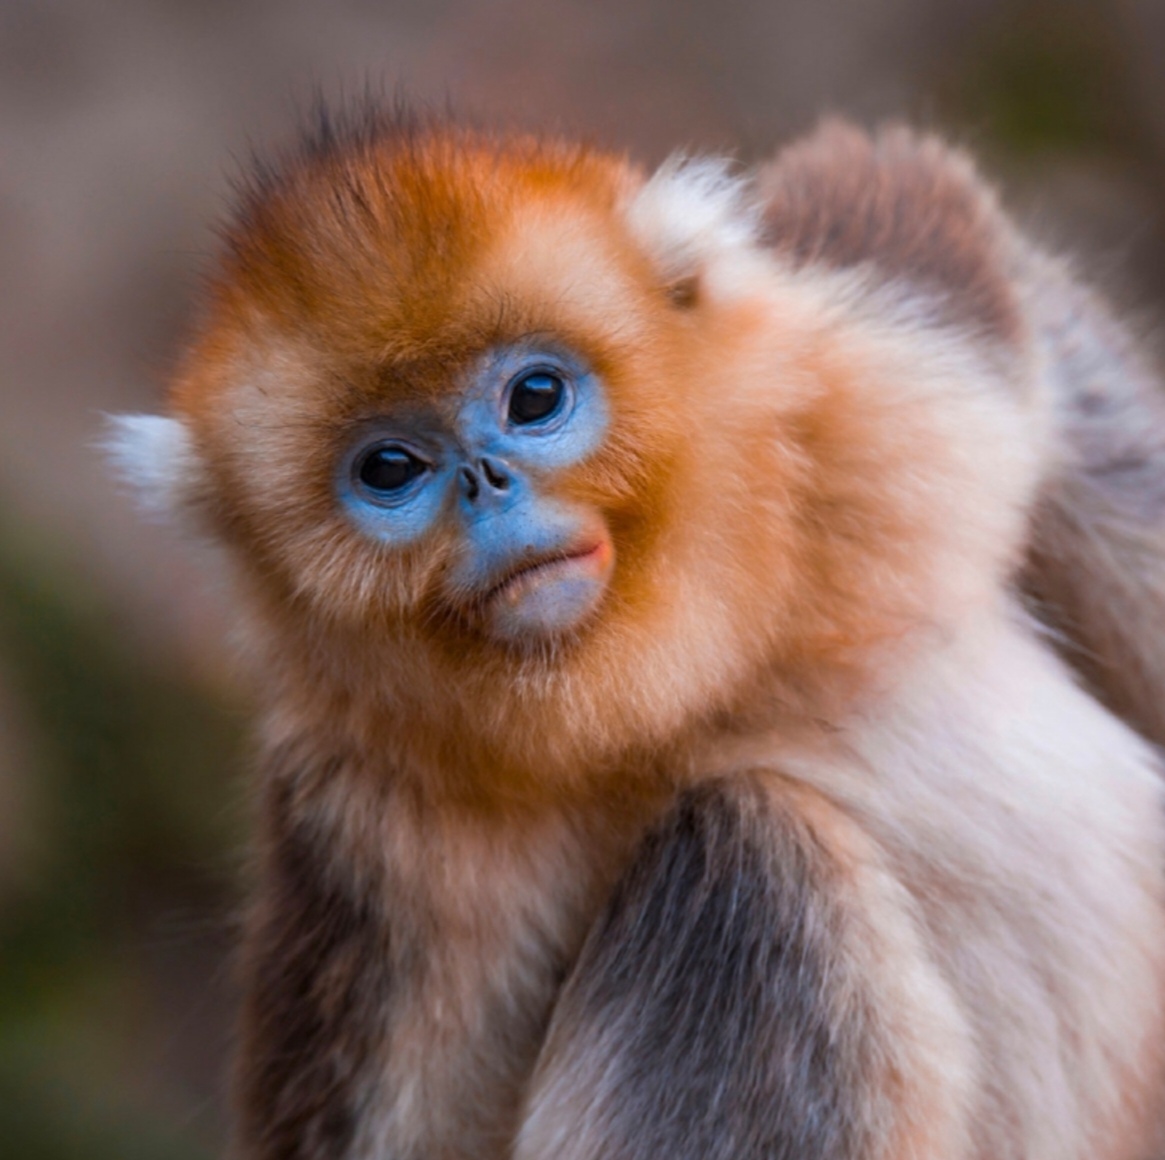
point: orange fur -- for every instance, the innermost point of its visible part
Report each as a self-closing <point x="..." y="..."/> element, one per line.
<point x="816" y="482"/>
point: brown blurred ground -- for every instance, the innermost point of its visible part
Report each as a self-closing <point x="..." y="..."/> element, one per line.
<point x="120" y="123"/>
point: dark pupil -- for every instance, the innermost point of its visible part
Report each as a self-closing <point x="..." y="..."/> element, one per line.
<point x="389" y="469"/>
<point x="535" y="397"/>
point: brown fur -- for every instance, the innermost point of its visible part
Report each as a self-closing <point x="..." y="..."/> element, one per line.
<point x="315" y="1011"/>
<point x="914" y="210"/>
<point x="910" y="207"/>
<point x="755" y="907"/>
<point x="824" y="451"/>
<point x="1100" y="521"/>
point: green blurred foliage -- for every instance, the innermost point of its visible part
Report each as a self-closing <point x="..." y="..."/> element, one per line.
<point x="1042" y="75"/>
<point x="134" y="770"/>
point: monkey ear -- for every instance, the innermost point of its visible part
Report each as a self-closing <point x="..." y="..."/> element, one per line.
<point x="155" y="455"/>
<point x="690" y="210"/>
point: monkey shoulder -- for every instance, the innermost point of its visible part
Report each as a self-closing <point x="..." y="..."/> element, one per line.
<point x="906" y="206"/>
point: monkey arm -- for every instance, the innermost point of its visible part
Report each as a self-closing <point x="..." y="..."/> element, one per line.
<point x="316" y="990"/>
<point x="755" y="987"/>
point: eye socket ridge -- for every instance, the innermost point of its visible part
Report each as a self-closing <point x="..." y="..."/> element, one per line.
<point x="537" y="397"/>
<point x="387" y="471"/>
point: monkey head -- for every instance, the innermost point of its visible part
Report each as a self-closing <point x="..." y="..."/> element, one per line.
<point x="514" y="440"/>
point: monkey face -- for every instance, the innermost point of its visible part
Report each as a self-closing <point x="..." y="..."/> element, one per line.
<point x="525" y="562"/>
<point x="447" y="417"/>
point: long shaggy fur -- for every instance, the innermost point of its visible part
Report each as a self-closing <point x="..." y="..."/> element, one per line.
<point x="806" y="842"/>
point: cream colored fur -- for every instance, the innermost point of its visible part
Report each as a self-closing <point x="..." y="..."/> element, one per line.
<point x="837" y="611"/>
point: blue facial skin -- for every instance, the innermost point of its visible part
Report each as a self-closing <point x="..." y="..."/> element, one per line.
<point x="479" y="464"/>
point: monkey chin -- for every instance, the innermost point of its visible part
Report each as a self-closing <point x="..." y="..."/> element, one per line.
<point x="550" y="597"/>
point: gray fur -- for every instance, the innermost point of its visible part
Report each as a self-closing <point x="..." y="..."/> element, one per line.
<point x="707" y="998"/>
<point x="1097" y="558"/>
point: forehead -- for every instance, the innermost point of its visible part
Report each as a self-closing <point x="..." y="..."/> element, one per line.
<point x="433" y="250"/>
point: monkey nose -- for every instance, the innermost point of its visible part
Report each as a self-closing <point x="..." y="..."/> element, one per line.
<point x="495" y="472"/>
<point x="488" y="475"/>
<point x="470" y="488"/>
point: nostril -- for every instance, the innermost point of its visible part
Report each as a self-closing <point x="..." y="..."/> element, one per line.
<point x="498" y="480"/>
<point x="470" y="481"/>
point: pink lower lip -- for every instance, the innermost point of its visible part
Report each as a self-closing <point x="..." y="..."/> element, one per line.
<point x="595" y="551"/>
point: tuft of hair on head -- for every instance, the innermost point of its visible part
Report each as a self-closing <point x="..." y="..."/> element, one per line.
<point x="338" y="134"/>
<point x="155" y="456"/>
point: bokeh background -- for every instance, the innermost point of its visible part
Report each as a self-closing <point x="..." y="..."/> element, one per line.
<point x="123" y="750"/>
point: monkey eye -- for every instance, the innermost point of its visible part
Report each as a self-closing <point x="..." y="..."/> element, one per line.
<point x="386" y="469"/>
<point x="534" y="397"/>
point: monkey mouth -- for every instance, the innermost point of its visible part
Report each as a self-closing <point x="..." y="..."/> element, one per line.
<point x="591" y="560"/>
<point x="544" y="595"/>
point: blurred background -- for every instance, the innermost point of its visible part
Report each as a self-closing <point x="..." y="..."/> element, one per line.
<point x="123" y="751"/>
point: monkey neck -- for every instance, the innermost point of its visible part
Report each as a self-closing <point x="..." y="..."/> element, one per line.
<point x="328" y="695"/>
<point x="522" y="749"/>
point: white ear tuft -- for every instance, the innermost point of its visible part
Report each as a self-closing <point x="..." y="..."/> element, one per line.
<point x="691" y="209"/>
<point x="156" y="456"/>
